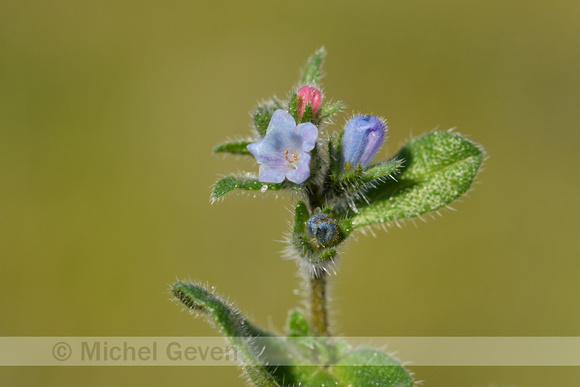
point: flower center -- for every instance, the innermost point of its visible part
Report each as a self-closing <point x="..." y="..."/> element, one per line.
<point x="291" y="159"/>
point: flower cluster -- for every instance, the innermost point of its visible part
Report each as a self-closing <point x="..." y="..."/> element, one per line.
<point x="284" y="152"/>
<point x="331" y="174"/>
<point x="327" y="175"/>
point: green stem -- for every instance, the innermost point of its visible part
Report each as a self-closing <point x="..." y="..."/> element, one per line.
<point x="318" y="312"/>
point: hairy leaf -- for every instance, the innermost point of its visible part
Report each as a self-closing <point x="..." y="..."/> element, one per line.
<point x="437" y="169"/>
<point x="322" y="361"/>
<point x="232" y="324"/>
<point x="381" y="170"/>
<point x="308" y="113"/>
<point x="359" y="177"/>
<point x="293" y="106"/>
<point x="313" y="69"/>
<point x="300" y="217"/>
<point x="301" y="358"/>
<point x="262" y="114"/>
<point x="236" y="147"/>
<point x="328" y="111"/>
<point x="369" y="367"/>
<point x="231" y="183"/>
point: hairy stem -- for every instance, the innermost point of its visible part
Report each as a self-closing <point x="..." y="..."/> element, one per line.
<point x="318" y="312"/>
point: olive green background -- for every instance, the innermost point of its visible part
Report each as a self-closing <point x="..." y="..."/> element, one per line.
<point x="108" y="114"/>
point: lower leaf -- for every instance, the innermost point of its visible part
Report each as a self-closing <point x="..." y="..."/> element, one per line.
<point x="232" y="324"/>
<point x="369" y="367"/>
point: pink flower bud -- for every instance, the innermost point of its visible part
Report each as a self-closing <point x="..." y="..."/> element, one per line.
<point x="308" y="94"/>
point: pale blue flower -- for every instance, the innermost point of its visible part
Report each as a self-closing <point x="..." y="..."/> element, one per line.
<point x="363" y="136"/>
<point x="284" y="152"/>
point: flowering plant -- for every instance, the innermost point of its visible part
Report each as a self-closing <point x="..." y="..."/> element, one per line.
<point x="338" y="190"/>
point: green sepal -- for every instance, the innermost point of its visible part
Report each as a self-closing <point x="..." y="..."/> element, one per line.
<point x="239" y="331"/>
<point x="333" y="160"/>
<point x="262" y="115"/>
<point x="381" y="170"/>
<point x="313" y="70"/>
<point x="345" y="227"/>
<point x="357" y="177"/>
<point x="236" y="148"/>
<point x="231" y="183"/>
<point x="293" y="106"/>
<point x="308" y="113"/>
<point x="437" y="169"/>
<point x="301" y="215"/>
<point x="353" y="176"/>
<point x="334" y="149"/>
<point x="328" y="111"/>
<point x="325" y="255"/>
<point x="327" y="210"/>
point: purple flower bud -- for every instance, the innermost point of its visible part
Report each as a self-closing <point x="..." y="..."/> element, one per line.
<point x="322" y="228"/>
<point x="308" y="94"/>
<point x="363" y="136"/>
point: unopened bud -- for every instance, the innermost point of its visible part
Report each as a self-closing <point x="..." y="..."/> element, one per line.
<point x="363" y="136"/>
<point x="322" y="228"/>
<point x="305" y="95"/>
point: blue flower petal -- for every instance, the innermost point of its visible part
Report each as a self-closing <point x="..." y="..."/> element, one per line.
<point x="284" y="150"/>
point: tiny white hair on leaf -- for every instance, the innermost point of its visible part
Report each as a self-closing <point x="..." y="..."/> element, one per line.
<point x="247" y="193"/>
<point x="400" y="222"/>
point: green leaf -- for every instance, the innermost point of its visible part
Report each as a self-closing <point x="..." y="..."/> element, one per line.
<point x="299" y="359"/>
<point x="353" y="176"/>
<point x="232" y="324"/>
<point x="328" y="111"/>
<point x="381" y="170"/>
<point x="231" y="183"/>
<point x="318" y="360"/>
<point x="357" y="176"/>
<point x="334" y="160"/>
<point x="334" y="150"/>
<point x="437" y="169"/>
<point x="236" y="147"/>
<point x="298" y="325"/>
<point x="262" y="114"/>
<point x="312" y="72"/>
<point x="293" y="106"/>
<point x="369" y="367"/>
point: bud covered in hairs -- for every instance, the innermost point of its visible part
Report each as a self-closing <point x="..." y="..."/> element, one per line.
<point x="363" y="136"/>
<point x="322" y="228"/>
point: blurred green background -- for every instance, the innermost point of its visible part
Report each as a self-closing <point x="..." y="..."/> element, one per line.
<point x="108" y="114"/>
